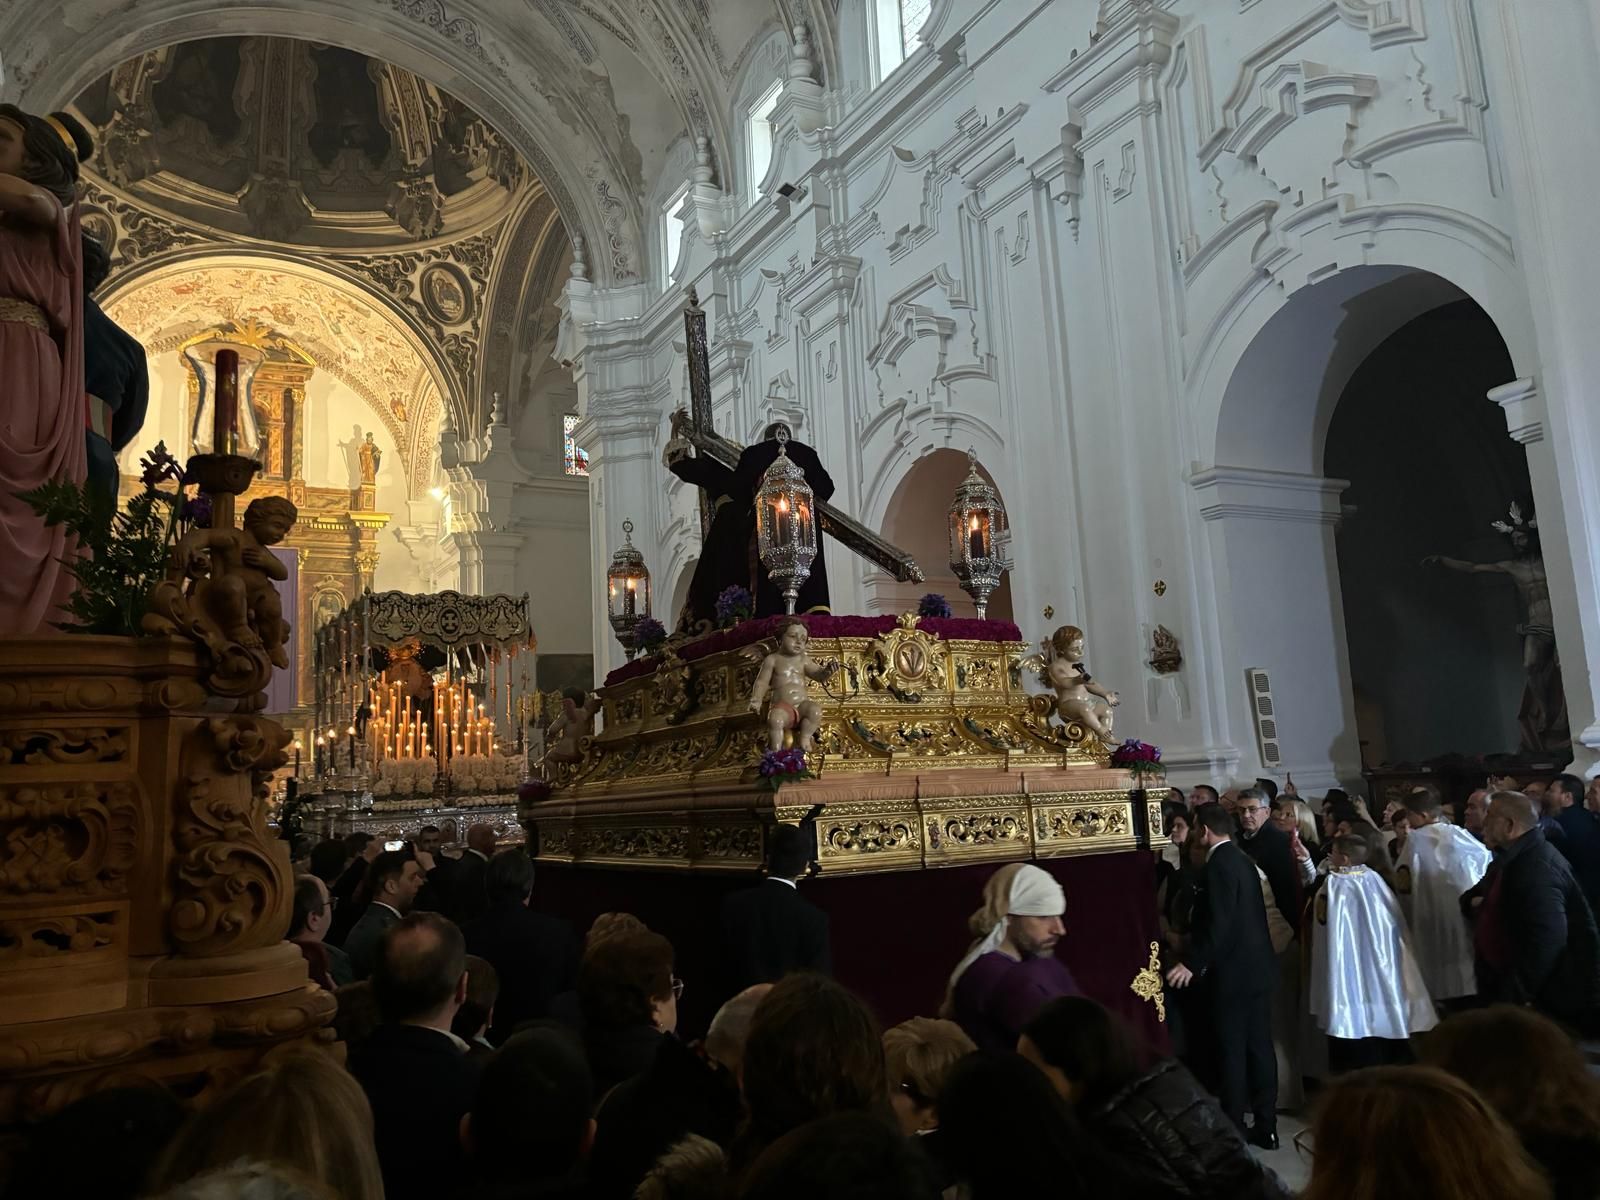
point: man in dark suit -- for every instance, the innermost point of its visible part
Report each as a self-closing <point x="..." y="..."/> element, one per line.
<point x="770" y="930"/>
<point x="348" y="903"/>
<point x="1268" y="846"/>
<point x="536" y="955"/>
<point x="746" y="482"/>
<point x="469" y="896"/>
<point x="1232" y="949"/>
<point x="1581" y="844"/>
<point x="416" y="1072"/>
<point x="393" y="881"/>
<point x="1534" y="934"/>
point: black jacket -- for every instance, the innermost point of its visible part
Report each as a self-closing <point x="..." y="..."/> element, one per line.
<point x="1165" y="1123"/>
<point x="468" y="900"/>
<point x="618" y="1055"/>
<point x="1269" y="849"/>
<point x="680" y="1093"/>
<point x="1231" y="946"/>
<point x="1582" y="848"/>
<point x="1549" y="929"/>
<point x="419" y="1084"/>
<point x="536" y="957"/>
<point x="746" y="481"/>
<point x="771" y="930"/>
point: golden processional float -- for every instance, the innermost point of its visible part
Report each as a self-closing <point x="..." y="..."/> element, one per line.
<point x="906" y="748"/>
<point x="421" y="706"/>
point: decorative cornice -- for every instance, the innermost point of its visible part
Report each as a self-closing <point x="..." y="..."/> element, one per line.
<point x="1227" y="492"/>
<point x="1523" y="408"/>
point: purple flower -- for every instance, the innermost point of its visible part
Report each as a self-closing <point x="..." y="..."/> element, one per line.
<point x="734" y="605"/>
<point x="933" y="605"/>
<point x="1136" y="756"/>
<point x="159" y="466"/>
<point x="648" y="634"/>
<point x="777" y="764"/>
<point x="197" y="512"/>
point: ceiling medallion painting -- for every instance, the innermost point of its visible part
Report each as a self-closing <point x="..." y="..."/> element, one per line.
<point x="298" y="143"/>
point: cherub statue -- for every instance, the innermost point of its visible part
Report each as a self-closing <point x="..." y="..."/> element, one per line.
<point x="236" y="593"/>
<point x="1078" y="697"/>
<point x="782" y="678"/>
<point x="572" y="724"/>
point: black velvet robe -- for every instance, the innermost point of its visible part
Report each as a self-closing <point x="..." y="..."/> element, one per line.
<point x="115" y="372"/>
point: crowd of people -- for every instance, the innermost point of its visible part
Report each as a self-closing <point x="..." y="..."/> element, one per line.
<point x="1426" y="978"/>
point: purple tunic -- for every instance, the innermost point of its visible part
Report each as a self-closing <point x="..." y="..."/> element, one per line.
<point x="997" y="995"/>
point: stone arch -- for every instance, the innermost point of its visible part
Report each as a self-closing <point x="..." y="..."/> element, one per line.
<point x="1261" y="398"/>
<point x="914" y="518"/>
<point x="156" y="269"/>
<point x="462" y="47"/>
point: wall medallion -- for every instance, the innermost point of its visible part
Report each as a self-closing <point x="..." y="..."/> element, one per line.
<point x="447" y="293"/>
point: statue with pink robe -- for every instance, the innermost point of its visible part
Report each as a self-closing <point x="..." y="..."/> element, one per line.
<point x="42" y="404"/>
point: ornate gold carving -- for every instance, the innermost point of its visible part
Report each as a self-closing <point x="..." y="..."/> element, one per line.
<point x="77" y="838"/>
<point x="1147" y="983"/>
<point x="907" y="662"/>
<point x="714" y="688"/>
<point x="630" y="707"/>
<point x="43" y="937"/>
<point x="231" y="882"/>
<point x="979" y="674"/>
<point x="1080" y="822"/>
<point x="68" y="746"/>
<point x="985" y="829"/>
<point x="670" y="688"/>
<point x="738" y="842"/>
<point x="650" y="841"/>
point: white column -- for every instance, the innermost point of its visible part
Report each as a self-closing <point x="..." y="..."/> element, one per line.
<point x="1272" y="538"/>
<point x="1543" y="62"/>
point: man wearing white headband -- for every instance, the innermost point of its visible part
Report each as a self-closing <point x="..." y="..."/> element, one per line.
<point x="1011" y="970"/>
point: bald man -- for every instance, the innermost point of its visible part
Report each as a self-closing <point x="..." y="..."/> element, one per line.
<point x="1534" y="935"/>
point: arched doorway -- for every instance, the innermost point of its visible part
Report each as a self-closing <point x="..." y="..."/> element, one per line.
<point x="1435" y="662"/>
<point x="1272" y="505"/>
<point x="916" y="520"/>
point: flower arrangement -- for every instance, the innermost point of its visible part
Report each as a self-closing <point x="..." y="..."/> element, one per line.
<point x="1141" y="759"/>
<point x="779" y="767"/>
<point x="128" y="551"/>
<point x="734" y="605"/>
<point x="933" y="605"/>
<point x="648" y="634"/>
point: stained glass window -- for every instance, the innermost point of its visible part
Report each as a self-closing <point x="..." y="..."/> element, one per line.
<point x="913" y="16"/>
<point x="577" y="462"/>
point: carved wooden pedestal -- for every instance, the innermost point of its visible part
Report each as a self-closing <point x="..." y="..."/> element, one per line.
<point x="143" y="900"/>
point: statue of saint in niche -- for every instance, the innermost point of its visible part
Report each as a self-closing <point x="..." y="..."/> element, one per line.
<point x="1543" y="715"/>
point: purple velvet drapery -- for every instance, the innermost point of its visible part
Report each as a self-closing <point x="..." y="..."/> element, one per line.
<point x="896" y="937"/>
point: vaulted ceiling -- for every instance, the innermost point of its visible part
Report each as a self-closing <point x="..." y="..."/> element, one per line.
<point x="591" y="93"/>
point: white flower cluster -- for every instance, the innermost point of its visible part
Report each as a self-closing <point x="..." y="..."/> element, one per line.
<point x="488" y="773"/>
<point x="405" y="777"/>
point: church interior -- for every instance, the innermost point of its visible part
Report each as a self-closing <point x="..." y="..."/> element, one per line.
<point x="638" y="435"/>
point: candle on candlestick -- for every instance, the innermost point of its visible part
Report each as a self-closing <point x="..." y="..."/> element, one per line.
<point x="225" y="410"/>
<point x="297" y="758"/>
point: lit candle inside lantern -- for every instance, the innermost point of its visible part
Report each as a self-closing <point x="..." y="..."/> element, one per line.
<point x="782" y="536"/>
<point x="976" y="538"/>
<point x="628" y="597"/>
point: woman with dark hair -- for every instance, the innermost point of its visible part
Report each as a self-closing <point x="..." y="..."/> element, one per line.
<point x="1012" y="1135"/>
<point x="1140" y="1108"/>
<point x="1533" y="1074"/>
<point x="42" y="408"/>
<point x="814" y="1049"/>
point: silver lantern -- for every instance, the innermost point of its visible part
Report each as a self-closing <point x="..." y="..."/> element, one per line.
<point x="786" y="525"/>
<point x="980" y="536"/>
<point x="627" y="590"/>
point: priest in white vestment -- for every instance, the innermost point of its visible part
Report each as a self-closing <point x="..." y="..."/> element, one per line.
<point x="1366" y="987"/>
<point x="1438" y="864"/>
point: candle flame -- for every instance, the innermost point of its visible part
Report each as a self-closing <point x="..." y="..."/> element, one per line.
<point x="974" y="522"/>
<point x="783" y="504"/>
